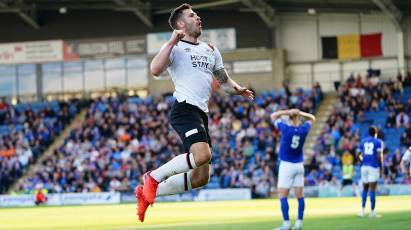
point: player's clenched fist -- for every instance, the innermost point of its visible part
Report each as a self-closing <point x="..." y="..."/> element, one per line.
<point x="177" y="36"/>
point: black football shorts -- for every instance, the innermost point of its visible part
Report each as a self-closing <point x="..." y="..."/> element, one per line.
<point x="191" y="124"/>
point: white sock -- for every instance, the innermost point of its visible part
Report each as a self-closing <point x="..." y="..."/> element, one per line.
<point x="179" y="164"/>
<point x="299" y="223"/>
<point x="286" y="223"/>
<point x="176" y="184"/>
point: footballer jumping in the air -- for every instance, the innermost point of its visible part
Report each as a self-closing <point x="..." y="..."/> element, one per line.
<point x="192" y="65"/>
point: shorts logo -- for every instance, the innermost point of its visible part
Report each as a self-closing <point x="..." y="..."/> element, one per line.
<point x="191" y="132"/>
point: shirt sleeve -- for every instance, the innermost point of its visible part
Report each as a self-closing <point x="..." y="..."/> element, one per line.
<point x="218" y="60"/>
<point x="279" y="124"/>
<point x="407" y="156"/>
<point x="172" y="54"/>
<point x="307" y="125"/>
<point x="360" y="148"/>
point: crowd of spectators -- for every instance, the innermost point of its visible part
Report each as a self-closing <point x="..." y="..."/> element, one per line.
<point x="26" y="130"/>
<point x="123" y="137"/>
<point x="335" y="160"/>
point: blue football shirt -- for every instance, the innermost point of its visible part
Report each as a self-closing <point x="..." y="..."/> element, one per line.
<point x="292" y="140"/>
<point x="370" y="148"/>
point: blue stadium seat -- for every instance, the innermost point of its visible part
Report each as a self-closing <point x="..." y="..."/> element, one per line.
<point x="214" y="182"/>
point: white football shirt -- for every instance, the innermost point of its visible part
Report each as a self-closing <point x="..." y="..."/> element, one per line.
<point x="191" y="69"/>
<point x="407" y="157"/>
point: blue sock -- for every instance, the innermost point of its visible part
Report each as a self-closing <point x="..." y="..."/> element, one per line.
<point x="284" y="208"/>
<point x="364" y="198"/>
<point x="372" y="199"/>
<point x="301" y="206"/>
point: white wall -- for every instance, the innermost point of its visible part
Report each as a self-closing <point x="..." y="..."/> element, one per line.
<point x="300" y="76"/>
<point x="388" y="67"/>
<point x="359" y="67"/>
<point x="326" y="73"/>
<point x="304" y="75"/>
<point x="338" y="24"/>
<point x="407" y="37"/>
<point x="300" y="36"/>
<point x="381" y="24"/>
<point x="407" y="40"/>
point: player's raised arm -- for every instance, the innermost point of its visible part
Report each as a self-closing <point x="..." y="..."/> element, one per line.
<point x="308" y="116"/>
<point x="229" y="86"/>
<point x="274" y="116"/>
<point x="162" y="59"/>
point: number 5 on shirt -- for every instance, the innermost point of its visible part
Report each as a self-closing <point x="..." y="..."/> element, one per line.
<point x="295" y="141"/>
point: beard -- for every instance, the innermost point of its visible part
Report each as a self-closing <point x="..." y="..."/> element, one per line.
<point x="194" y="32"/>
<point x="197" y="34"/>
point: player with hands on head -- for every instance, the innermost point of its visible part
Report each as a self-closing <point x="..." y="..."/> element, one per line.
<point x="291" y="170"/>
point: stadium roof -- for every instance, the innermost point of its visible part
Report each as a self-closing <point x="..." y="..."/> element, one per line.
<point x="146" y="10"/>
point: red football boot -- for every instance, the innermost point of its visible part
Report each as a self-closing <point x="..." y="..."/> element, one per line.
<point x="142" y="204"/>
<point x="150" y="188"/>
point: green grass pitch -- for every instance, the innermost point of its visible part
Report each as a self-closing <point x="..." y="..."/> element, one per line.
<point x="321" y="213"/>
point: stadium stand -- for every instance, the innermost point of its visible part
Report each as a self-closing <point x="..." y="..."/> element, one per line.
<point x="26" y="130"/>
<point x="364" y="102"/>
<point x="121" y="138"/>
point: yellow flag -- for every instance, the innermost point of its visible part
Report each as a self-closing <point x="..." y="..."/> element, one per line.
<point x="348" y="46"/>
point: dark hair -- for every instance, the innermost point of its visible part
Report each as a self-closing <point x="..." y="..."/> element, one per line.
<point x="176" y="14"/>
<point x="372" y="130"/>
